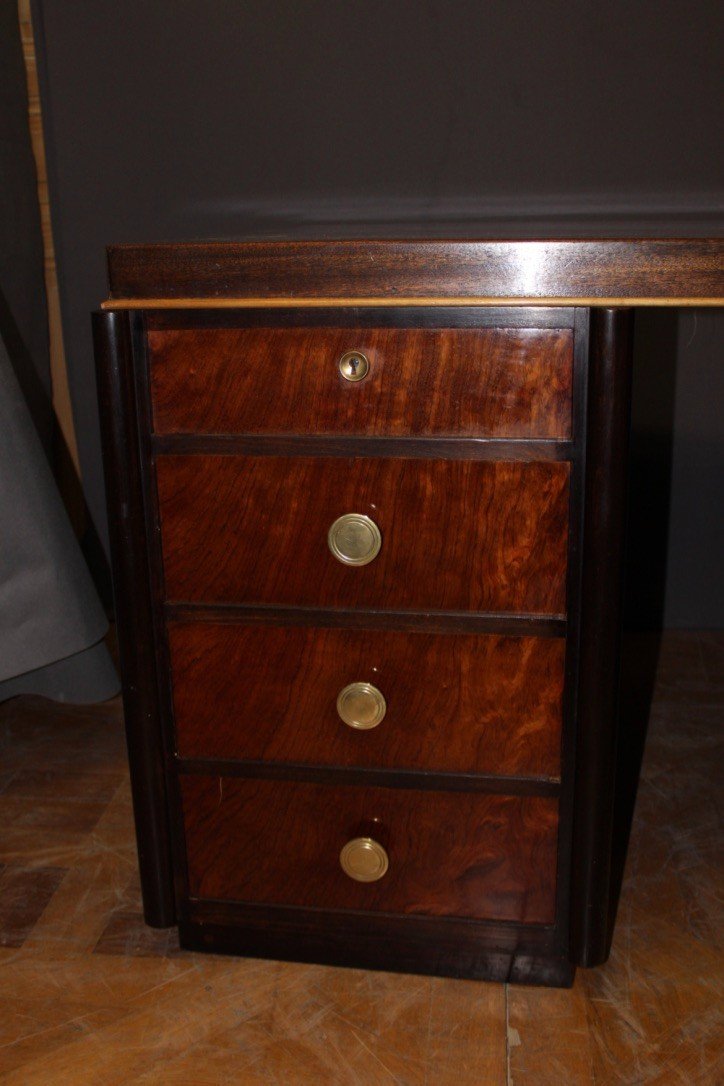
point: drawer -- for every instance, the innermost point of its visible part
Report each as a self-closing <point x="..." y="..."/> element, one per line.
<point x="446" y="702"/>
<point x="455" y="535"/>
<point x="449" y="854"/>
<point x="495" y="382"/>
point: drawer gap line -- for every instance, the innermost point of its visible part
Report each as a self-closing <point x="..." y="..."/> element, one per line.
<point x="437" y="621"/>
<point x="534" y="929"/>
<point x="411" y="448"/>
<point x="385" y="778"/>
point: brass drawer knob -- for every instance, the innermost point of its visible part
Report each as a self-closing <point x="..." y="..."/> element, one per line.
<point x="354" y="539"/>
<point x="364" y="859"/>
<point x="361" y="706"/>
<point x="353" y="365"/>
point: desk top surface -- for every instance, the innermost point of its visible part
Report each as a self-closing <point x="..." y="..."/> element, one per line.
<point x="417" y="272"/>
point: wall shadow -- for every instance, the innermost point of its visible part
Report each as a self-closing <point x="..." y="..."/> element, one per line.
<point x="648" y="508"/>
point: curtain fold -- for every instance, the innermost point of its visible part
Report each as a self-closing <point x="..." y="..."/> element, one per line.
<point x="51" y="620"/>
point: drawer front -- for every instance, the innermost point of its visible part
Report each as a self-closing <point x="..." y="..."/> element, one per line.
<point x="455" y="535"/>
<point x="496" y="382"/>
<point x="450" y="854"/>
<point x="450" y="702"/>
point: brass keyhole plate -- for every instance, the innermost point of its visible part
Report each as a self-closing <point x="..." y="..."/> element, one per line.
<point x="353" y="365"/>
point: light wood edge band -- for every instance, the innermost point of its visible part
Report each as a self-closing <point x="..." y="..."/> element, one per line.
<point x="324" y="303"/>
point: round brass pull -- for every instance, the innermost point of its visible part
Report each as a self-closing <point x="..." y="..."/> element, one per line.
<point x="361" y="706"/>
<point x="353" y="365"/>
<point x="364" y="859"/>
<point x="354" y="539"/>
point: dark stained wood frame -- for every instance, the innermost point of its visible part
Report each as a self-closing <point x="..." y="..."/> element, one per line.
<point x="583" y="272"/>
<point x="125" y="456"/>
<point x="397" y="944"/>
<point x="609" y="407"/>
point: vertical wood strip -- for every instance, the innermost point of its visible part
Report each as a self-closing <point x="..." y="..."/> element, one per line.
<point x="134" y="612"/>
<point x="609" y="400"/>
<point x="58" y="368"/>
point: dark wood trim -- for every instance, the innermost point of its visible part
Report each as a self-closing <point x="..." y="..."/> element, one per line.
<point x="608" y="425"/>
<point x="407" y="944"/>
<point x="393" y="270"/>
<point x="164" y="693"/>
<point x="123" y="458"/>
<point x="437" y="622"/>
<point x="507" y="935"/>
<point x="574" y="604"/>
<point x="449" y="316"/>
<point x="403" y="448"/>
<point x="384" y="778"/>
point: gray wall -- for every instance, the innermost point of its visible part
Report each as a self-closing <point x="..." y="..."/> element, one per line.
<point x="695" y="577"/>
<point x="177" y="120"/>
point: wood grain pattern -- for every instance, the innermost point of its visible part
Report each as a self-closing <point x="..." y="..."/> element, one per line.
<point x="455" y="703"/>
<point x="457" y="535"/>
<point x="391" y="269"/>
<point x="494" y="382"/>
<point x="450" y="855"/>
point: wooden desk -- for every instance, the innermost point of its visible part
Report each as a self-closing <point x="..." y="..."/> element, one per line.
<point x="367" y="504"/>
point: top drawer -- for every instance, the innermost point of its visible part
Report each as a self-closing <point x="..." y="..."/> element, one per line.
<point x="455" y="382"/>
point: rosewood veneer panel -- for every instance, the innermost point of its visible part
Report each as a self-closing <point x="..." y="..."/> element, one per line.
<point x="455" y="702"/>
<point x="451" y="854"/>
<point x="470" y="382"/>
<point x="456" y="535"/>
